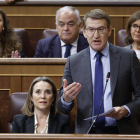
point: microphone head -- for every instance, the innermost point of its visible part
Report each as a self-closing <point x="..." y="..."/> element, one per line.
<point x="108" y="75"/>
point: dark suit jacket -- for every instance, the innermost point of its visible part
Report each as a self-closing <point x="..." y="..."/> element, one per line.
<point x="125" y="79"/>
<point x="129" y="46"/>
<point x="25" y="124"/>
<point x="51" y="47"/>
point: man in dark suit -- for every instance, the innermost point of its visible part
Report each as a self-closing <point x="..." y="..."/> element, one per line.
<point x="81" y="80"/>
<point x="68" y="41"/>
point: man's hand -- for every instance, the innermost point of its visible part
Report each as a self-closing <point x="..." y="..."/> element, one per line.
<point x="15" y="54"/>
<point x="70" y="92"/>
<point x="118" y="113"/>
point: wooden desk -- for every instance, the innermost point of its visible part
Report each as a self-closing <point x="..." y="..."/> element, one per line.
<point x="16" y="75"/>
<point x="66" y="137"/>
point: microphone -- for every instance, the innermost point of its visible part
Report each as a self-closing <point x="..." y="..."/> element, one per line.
<point x="107" y="78"/>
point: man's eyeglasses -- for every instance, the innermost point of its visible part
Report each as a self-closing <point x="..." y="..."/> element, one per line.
<point x="100" y="30"/>
<point x="135" y="27"/>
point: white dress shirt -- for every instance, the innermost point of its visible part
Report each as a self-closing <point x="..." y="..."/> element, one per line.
<point x="73" y="49"/>
<point x="45" y="129"/>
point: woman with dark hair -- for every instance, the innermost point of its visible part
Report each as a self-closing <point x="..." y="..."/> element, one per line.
<point x="9" y="42"/>
<point x="133" y="33"/>
<point x="40" y="112"/>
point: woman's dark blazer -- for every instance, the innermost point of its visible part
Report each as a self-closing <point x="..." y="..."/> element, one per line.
<point x="25" y="124"/>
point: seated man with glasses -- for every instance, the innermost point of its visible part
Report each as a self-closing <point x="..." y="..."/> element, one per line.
<point x="84" y="78"/>
<point x="133" y="33"/>
<point x="68" y="41"/>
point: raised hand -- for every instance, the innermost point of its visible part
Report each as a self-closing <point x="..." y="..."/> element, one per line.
<point x="70" y="91"/>
<point x="15" y="54"/>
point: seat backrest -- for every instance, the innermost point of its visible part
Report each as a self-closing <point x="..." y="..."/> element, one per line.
<point x="16" y="102"/>
<point x="120" y="39"/>
<point x="50" y="32"/>
<point x="24" y="37"/>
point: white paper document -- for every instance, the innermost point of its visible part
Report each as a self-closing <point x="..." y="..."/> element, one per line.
<point x="112" y="109"/>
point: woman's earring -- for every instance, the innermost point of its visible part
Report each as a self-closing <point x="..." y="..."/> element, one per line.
<point x="32" y="104"/>
<point x="3" y="28"/>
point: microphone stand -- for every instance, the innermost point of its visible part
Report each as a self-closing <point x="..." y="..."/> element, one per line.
<point x="107" y="78"/>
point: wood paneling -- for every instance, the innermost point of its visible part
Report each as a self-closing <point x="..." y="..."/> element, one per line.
<point x="27" y="80"/>
<point x="15" y="84"/>
<point x="32" y="21"/>
<point x="67" y="137"/>
<point x="125" y="20"/>
<point x="4" y="82"/>
<point x="51" y="10"/>
<point x="117" y="23"/>
<point x="4" y="104"/>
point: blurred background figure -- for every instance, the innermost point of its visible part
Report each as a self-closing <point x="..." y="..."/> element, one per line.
<point x="12" y="1"/>
<point x="40" y="112"/>
<point x="133" y="33"/>
<point x="9" y="42"/>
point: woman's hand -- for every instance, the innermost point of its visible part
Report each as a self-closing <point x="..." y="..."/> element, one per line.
<point x="15" y="54"/>
<point x="10" y="1"/>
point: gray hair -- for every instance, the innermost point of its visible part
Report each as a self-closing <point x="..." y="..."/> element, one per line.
<point x="67" y="8"/>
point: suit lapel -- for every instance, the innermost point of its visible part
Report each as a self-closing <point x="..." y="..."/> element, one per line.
<point x="30" y="124"/>
<point x="52" y="124"/>
<point x="56" y="48"/>
<point x="82" y="43"/>
<point x="114" y="66"/>
<point x="86" y="67"/>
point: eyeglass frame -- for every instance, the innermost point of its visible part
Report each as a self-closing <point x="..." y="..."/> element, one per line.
<point x="97" y="30"/>
<point x="135" y="26"/>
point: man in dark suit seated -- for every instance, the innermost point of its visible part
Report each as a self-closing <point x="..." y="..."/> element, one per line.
<point x="85" y="78"/>
<point x="68" y="41"/>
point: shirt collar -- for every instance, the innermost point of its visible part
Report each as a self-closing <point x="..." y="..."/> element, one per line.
<point x="105" y="51"/>
<point x="36" y="122"/>
<point x="73" y="44"/>
<point x="35" y="119"/>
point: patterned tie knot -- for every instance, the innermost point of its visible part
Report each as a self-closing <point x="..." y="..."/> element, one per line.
<point x="98" y="55"/>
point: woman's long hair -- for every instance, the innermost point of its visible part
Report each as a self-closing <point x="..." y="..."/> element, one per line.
<point x="9" y="41"/>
